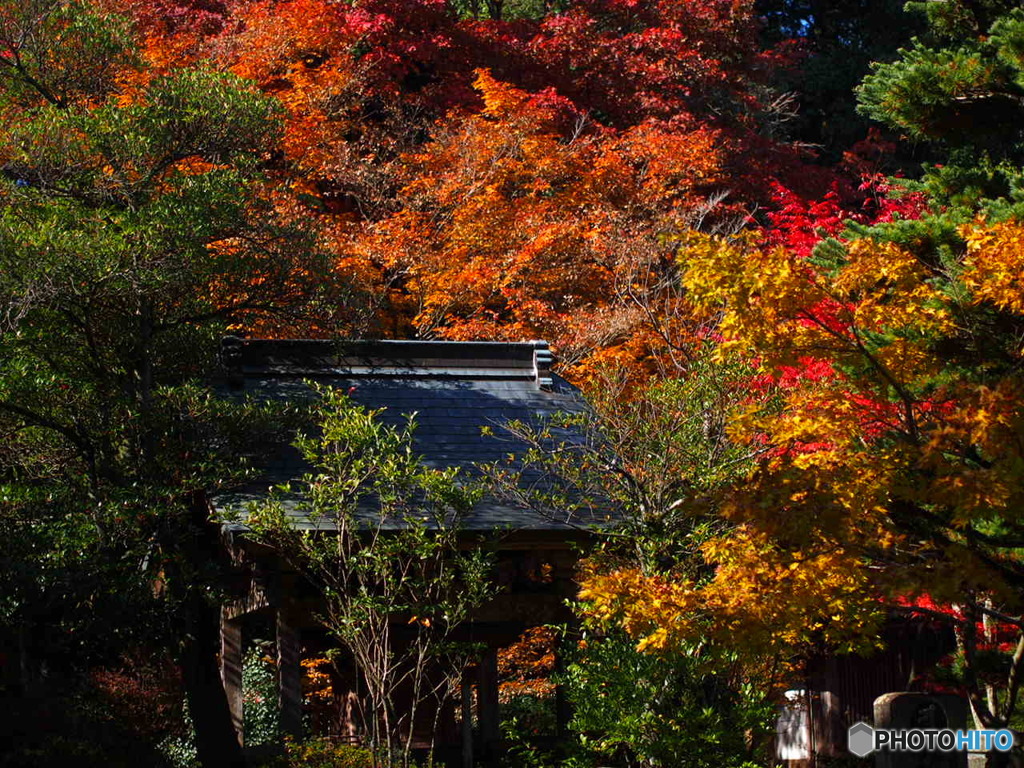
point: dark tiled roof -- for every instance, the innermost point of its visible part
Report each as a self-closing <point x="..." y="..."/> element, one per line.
<point x="456" y="390"/>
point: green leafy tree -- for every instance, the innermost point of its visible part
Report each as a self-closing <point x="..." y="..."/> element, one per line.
<point x="134" y="229"/>
<point x="382" y="537"/>
<point x="958" y="88"/>
<point x="638" y="457"/>
<point x="961" y="83"/>
<point x="650" y="459"/>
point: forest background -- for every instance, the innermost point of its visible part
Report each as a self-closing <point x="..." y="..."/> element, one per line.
<point x="777" y="243"/>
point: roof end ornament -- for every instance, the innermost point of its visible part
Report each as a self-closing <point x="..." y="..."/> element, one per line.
<point x="543" y="359"/>
<point x="230" y="357"/>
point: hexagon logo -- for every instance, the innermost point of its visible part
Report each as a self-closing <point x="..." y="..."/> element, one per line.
<point x="861" y="739"/>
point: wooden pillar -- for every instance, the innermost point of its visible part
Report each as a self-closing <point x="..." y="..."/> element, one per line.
<point x="289" y="670"/>
<point x="467" y="722"/>
<point x="231" y="669"/>
<point x="488" y="715"/>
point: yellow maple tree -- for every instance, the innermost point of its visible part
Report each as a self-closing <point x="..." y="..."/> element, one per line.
<point x="891" y="461"/>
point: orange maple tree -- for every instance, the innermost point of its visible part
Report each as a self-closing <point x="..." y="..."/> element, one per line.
<point x="526" y="220"/>
<point x="493" y="179"/>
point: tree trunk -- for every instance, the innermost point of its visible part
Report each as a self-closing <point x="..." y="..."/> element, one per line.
<point x="216" y="740"/>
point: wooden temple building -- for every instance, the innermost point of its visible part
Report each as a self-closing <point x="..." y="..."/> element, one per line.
<point x="462" y="394"/>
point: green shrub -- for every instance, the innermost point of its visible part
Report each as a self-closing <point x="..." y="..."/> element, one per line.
<point x="672" y="711"/>
<point x="324" y="753"/>
<point x="530" y="714"/>
<point x="179" y="750"/>
<point x="525" y="720"/>
<point x="259" y="699"/>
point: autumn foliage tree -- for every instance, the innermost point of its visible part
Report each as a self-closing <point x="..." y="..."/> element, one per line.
<point x="890" y="473"/>
<point x="890" y="459"/>
<point x="513" y="170"/>
<point x="641" y="119"/>
<point x="898" y="441"/>
<point x="525" y="220"/>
